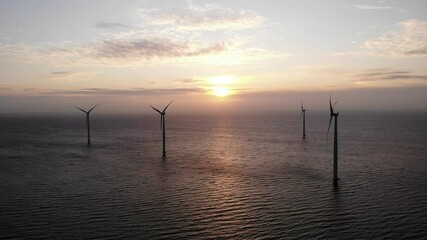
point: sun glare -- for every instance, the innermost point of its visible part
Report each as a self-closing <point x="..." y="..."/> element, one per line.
<point x="221" y="85"/>
<point x="221" y="80"/>
<point x="220" y="91"/>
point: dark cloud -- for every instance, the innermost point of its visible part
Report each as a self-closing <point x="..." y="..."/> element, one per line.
<point x="188" y="80"/>
<point x="61" y="73"/>
<point x="257" y="102"/>
<point x="213" y="48"/>
<point x="419" y="77"/>
<point x="151" y="48"/>
<point x="129" y="92"/>
<point x="417" y="52"/>
<point x="377" y="75"/>
<point x="109" y="25"/>
<point x="382" y="73"/>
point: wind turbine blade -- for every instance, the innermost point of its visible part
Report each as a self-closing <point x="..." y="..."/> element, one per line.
<point x="167" y="106"/>
<point x="329" y="127"/>
<point x="93" y="108"/>
<point x="301" y="114"/>
<point x="81" y="110"/>
<point x="330" y="106"/>
<point x="155" y="109"/>
<point x="302" y="107"/>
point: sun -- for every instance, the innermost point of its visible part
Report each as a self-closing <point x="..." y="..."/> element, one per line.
<point x="220" y="91"/>
<point x="220" y="85"/>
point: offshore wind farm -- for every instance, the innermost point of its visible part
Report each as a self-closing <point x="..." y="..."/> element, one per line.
<point x="224" y="177"/>
<point x="254" y="145"/>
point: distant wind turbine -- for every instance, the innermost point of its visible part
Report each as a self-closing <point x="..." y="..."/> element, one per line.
<point x="303" y="120"/>
<point x="87" y="121"/>
<point x="335" y="116"/>
<point x="162" y="125"/>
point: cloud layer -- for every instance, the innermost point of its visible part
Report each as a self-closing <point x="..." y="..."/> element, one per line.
<point x="152" y="48"/>
<point x="160" y="37"/>
<point x="410" y="39"/>
<point x="109" y="25"/>
<point x="380" y="8"/>
<point x="389" y="75"/>
<point x="70" y="76"/>
<point x="125" y="92"/>
<point x="209" y="18"/>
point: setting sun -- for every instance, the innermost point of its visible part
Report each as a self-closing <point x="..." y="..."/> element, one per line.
<point x="220" y="91"/>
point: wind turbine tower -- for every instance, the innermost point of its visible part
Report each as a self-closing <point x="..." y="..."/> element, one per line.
<point x="335" y="116"/>
<point x="163" y="125"/>
<point x="87" y="121"/>
<point x="303" y="120"/>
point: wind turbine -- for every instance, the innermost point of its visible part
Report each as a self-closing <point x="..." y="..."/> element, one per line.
<point x="335" y="116"/>
<point x="87" y="121"/>
<point x="162" y="125"/>
<point x="303" y="120"/>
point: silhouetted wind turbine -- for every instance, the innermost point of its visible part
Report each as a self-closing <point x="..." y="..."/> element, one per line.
<point x="303" y="120"/>
<point x="87" y="121"/>
<point x="162" y="125"/>
<point x="335" y="116"/>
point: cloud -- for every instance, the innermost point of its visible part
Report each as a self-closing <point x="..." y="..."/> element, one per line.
<point x="223" y="21"/>
<point x="163" y="37"/>
<point x="127" y="92"/>
<point x="418" y="52"/>
<point x="17" y="90"/>
<point x="237" y="55"/>
<point x="387" y="75"/>
<point x="152" y="48"/>
<point x="70" y="76"/>
<point x="2" y="89"/>
<point x="410" y="39"/>
<point x="257" y="102"/>
<point x="381" y="8"/>
<point x="109" y="25"/>
<point x="111" y="52"/>
<point x="188" y="80"/>
<point x="133" y="51"/>
<point x="204" y="18"/>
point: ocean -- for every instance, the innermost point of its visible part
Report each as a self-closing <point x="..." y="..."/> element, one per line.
<point x="224" y="177"/>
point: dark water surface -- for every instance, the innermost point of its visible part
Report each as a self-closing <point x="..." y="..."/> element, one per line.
<point x="224" y="177"/>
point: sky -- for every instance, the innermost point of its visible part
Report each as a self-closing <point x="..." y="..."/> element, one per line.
<point x="212" y="56"/>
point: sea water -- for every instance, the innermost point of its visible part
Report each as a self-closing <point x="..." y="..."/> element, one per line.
<point x="239" y="177"/>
